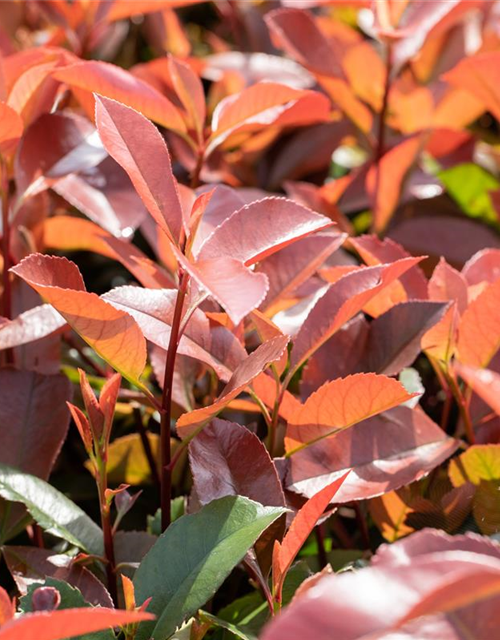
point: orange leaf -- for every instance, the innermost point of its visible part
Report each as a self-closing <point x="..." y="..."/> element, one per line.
<point x="480" y="76"/>
<point x="59" y="625"/>
<point x="189" y="424"/>
<point x="303" y="524"/>
<point x="113" y="334"/>
<point x="384" y="181"/>
<point x="11" y="129"/>
<point x="479" y="328"/>
<point x="113" y="82"/>
<point x="340" y="404"/>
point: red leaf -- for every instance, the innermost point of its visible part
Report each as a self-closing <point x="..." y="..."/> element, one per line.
<point x="92" y="76"/>
<point x="191" y="423"/>
<point x="260" y="229"/>
<point x="479" y="328"/>
<point x="292" y="266"/>
<point x="234" y="286"/>
<point x="55" y="145"/>
<point x="153" y="311"/>
<point x="340" y="404"/>
<point x="30" y="564"/>
<point x="447" y="283"/>
<point x="33" y="407"/>
<point x="113" y="334"/>
<point x="384" y="180"/>
<point x="342" y="301"/>
<point x="264" y="104"/>
<point x="11" y="129"/>
<point x="480" y="76"/>
<point x="189" y="89"/>
<point x="387" y="345"/>
<point x="29" y="326"/>
<point x="300" y="529"/>
<point x="56" y="625"/>
<point x="377" y="601"/>
<point x="457" y="239"/>
<point x="384" y="453"/>
<point x="484" y="266"/>
<point x="228" y="459"/>
<point x="139" y="148"/>
<point x="484" y="382"/>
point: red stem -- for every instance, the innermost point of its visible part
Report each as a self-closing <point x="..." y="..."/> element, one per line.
<point x="107" y="530"/>
<point x="166" y="404"/>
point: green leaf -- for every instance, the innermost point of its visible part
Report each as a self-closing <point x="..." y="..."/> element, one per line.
<point x="51" y="509"/>
<point x="223" y="624"/>
<point x="191" y="560"/>
<point x="470" y="185"/>
<point x="250" y="613"/>
<point x="71" y="598"/>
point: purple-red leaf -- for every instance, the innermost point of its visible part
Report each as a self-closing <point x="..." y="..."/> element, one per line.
<point x="138" y="147"/>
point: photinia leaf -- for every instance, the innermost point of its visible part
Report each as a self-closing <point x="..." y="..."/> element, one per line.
<point x="479" y="76"/>
<point x="384" y="180"/>
<point x="300" y="529"/>
<point x="445" y="575"/>
<point x="384" y="453"/>
<point x="11" y="129"/>
<point x="340" y="404"/>
<point x="56" y="625"/>
<point x="191" y="423"/>
<point x="194" y="556"/>
<point x="189" y="90"/>
<point x="480" y="462"/>
<point x="479" y="328"/>
<point x="30" y="565"/>
<point x="387" y="345"/>
<point x="484" y="382"/>
<point x="36" y="323"/>
<point x="137" y="146"/>
<point x="484" y="266"/>
<point x="67" y="233"/>
<point x="113" y="334"/>
<point x="51" y="509"/>
<point x="261" y="228"/>
<point x="239" y="293"/>
<point x="264" y="104"/>
<point x="55" y="145"/>
<point x="92" y="76"/>
<point x="341" y="302"/>
<point x="34" y="407"/>
<point x="153" y="312"/>
<point x="228" y="459"/>
<point x="447" y="283"/>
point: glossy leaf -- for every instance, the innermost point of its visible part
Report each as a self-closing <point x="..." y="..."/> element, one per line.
<point x="302" y="526"/>
<point x="478" y="463"/>
<point x="190" y="423"/>
<point x="104" y="328"/>
<point x="384" y="453"/>
<point x="92" y="76"/>
<point x="153" y="312"/>
<point x="134" y="142"/>
<point x="479" y="328"/>
<point x="30" y="565"/>
<point x="340" y="404"/>
<point x="260" y="229"/>
<point x="227" y="459"/>
<point x="51" y="509"/>
<point x="11" y="129"/>
<point x="342" y="301"/>
<point x="194" y="556"/>
<point x="264" y="104"/>
<point x="55" y="625"/>
<point x="33" y="406"/>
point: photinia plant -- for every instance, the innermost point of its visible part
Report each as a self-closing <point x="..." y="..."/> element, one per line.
<point x="250" y="251"/>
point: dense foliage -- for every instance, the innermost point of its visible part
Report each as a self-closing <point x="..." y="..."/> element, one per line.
<point x="250" y="319"/>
